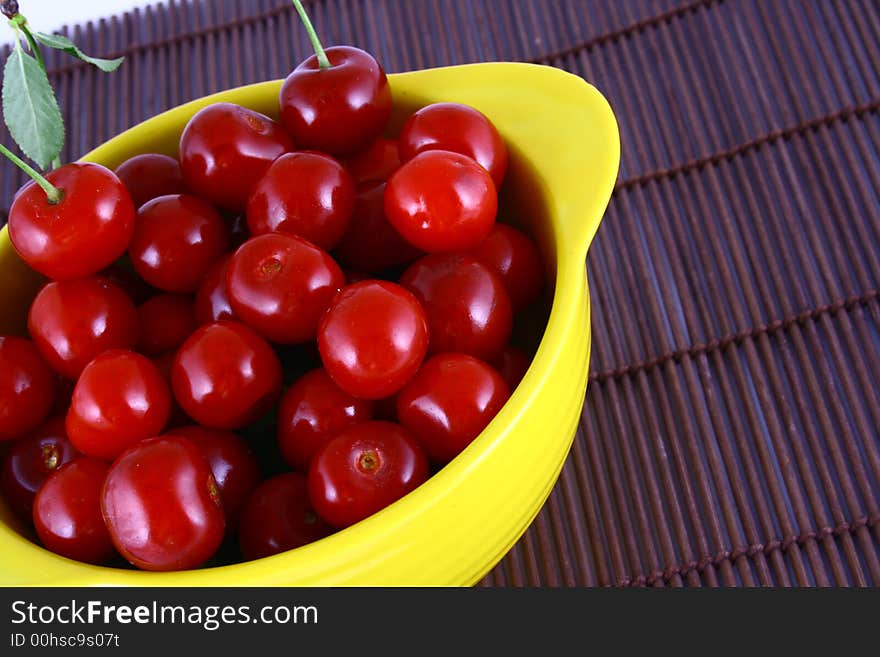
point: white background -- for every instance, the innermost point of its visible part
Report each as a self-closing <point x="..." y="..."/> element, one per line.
<point x="49" y="15"/>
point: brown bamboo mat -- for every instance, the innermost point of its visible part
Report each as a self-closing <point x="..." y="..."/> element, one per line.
<point x="730" y="434"/>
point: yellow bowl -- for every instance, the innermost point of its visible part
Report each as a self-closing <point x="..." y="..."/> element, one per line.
<point x="565" y="150"/>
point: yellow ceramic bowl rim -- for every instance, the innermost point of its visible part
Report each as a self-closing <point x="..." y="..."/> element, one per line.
<point x="576" y="200"/>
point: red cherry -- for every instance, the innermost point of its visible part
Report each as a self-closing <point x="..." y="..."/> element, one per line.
<point x="30" y="460"/>
<point x="212" y="301"/>
<point x="27" y="388"/>
<point x="176" y="240"/>
<point x="166" y="321"/>
<point x="67" y="512"/>
<point x="233" y="465"/>
<point x="340" y="109"/>
<point x="465" y="302"/>
<point x="375" y="163"/>
<point x="149" y="176"/>
<point x="73" y="321"/>
<point x="458" y="128"/>
<point x="278" y="516"/>
<point x="305" y="194"/>
<point x="226" y="376"/>
<point x="371" y="244"/>
<point x="313" y="410"/>
<point x="515" y="258"/>
<point x="441" y="201"/>
<point x="119" y="399"/>
<point x="512" y="364"/>
<point x="162" y="506"/>
<point x="280" y="285"/>
<point x="364" y="469"/>
<point x="86" y="231"/>
<point x="449" y="402"/>
<point x="225" y="149"/>
<point x="373" y="338"/>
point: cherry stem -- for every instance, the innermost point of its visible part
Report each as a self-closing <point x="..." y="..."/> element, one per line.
<point x="323" y="62"/>
<point x="20" y="23"/>
<point x="53" y="194"/>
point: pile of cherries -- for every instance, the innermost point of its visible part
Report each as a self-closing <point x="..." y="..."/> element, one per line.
<point x="367" y="274"/>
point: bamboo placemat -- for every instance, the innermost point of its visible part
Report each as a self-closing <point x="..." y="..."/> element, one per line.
<point x="730" y="433"/>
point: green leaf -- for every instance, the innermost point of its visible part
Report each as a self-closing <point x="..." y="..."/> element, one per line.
<point x="59" y="42"/>
<point x="30" y="109"/>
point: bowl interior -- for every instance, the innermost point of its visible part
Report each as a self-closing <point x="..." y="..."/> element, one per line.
<point x="555" y="190"/>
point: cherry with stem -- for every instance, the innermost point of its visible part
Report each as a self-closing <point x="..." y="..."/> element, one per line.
<point x="76" y="221"/>
<point x="337" y="101"/>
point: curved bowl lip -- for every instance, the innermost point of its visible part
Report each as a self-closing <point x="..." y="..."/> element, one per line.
<point x="569" y="267"/>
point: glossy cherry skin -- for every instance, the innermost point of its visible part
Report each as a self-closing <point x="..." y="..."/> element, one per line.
<point x="312" y="411"/>
<point x="150" y="175"/>
<point x="67" y="512"/>
<point x="373" y="338"/>
<point x="515" y="258"/>
<point x="176" y="240"/>
<point x="212" y="301"/>
<point x="226" y="376"/>
<point x="363" y="469"/>
<point x="306" y="194"/>
<point x="73" y="321"/>
<point x="119" y="399"/>
<point x="166" y="321"/>
<point x="375" y="163"/>
<point x="30" y="460"/>
<point x="449" y="402"/>
<point x="225" y="149"/>
<point x="371" y="244"/>
<point x="80" y="235"/>
<point x="512" y="364"/>
<point x="233" y="465"/>
<point x="338" y="110"/>
<point x="278" y="517"/>
<point x="458" y="128"/>
<point x="280" y="285"/>
<point x="465" y="302"/>
<point x="27" y="388"/>
<point x="441" y="201"/>
<point x="162" y="506"/>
